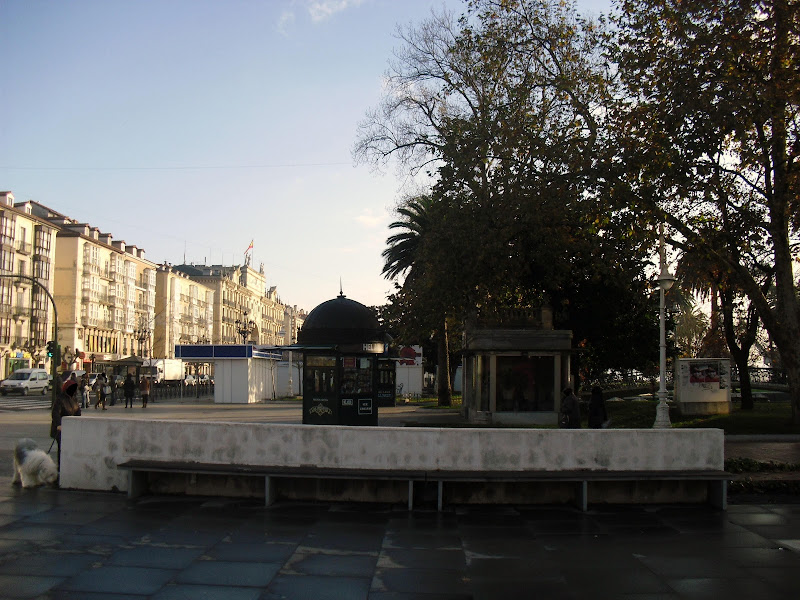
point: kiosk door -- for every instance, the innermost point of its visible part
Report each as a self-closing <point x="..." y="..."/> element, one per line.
<point x="320" y="391"/>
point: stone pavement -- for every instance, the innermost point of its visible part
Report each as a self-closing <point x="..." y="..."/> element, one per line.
<point x="71" y="544"/>
<point x="67" y="544"/>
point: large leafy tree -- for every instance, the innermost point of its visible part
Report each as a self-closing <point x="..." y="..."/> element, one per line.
<point x="712" y="93"/>
<point x="505" y="108"/>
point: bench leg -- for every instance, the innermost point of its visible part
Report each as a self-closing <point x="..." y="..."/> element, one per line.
<point x="269" y="491"/>
<point x="718" y="494"/>
<point x="582" y="493"/>
<point x="137" y="483"/>
<point x="439" y="495"/>
<point x="410" y="494"/>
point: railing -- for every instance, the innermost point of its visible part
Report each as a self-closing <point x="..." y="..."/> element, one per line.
<point x="165" y="390"/>
<point x="761" y="375"/>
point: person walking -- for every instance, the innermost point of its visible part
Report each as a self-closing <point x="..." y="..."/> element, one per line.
<point x="101" y="389"/>
<point x="570" y="415"/>
<point x="144" y="390"/>
<point x="129" y="389"/>
<point x="597" y="409"/>
<point x="83" y="390"/>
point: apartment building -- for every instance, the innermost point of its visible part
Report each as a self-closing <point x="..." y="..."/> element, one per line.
<point x="184" y="312"/>
<point x="245" y="310"/>
<point x="104" y="291"/>
<point x="27" y="248"/>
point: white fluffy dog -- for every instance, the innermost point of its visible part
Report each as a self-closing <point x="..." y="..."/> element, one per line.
<point x="32" y="466"/>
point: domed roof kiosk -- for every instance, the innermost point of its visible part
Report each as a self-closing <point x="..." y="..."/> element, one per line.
<point x="344" y="380"/>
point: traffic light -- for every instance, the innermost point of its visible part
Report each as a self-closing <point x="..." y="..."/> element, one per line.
<point x="51" y="348"/>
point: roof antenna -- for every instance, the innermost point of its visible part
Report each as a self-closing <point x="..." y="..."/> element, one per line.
<point x="341" y="293"/>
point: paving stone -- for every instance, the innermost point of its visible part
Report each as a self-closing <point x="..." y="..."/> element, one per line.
<point x="227" y="573"/>
<point x="57" y="565"/>
<point x="155" y="557"/>
<point x="263" y="552"/>
<point x="27" y="586"/>
<point x="119" y="580"/>
<point x="318" y="588"/>
<point x="334" y="565"/>
<point x="206" y="592"/>
<point x="702" y="588"/>
<point x="435" y="581"/>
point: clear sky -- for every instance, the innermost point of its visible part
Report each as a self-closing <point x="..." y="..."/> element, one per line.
<point x="191" y="127"/>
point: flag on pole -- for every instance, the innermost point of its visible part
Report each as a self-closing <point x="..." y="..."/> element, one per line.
<point x="250" y="247"/>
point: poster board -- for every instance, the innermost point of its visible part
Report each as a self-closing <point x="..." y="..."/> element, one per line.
<point x="703" y="380"/>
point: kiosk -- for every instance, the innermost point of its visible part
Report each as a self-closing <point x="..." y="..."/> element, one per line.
<point x="344" y="378"/>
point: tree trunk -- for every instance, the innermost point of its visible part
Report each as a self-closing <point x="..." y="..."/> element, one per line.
<point x="745" y="387"/>
<point x="443" y="347"/>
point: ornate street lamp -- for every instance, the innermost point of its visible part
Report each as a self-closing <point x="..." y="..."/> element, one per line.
<point x="244" y="327"/>
<point x="665" y="281"/>
<point x="142" y="335"/>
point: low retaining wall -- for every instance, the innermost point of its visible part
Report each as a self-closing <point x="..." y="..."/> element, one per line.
<point x="92" y="448"/>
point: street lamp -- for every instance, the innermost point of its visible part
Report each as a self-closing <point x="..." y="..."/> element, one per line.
<point x="244" y="327"/>
<point x="665" y="281"/>
<point x="142" y="335"/>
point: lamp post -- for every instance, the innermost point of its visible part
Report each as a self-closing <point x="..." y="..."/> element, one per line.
<point x="142" y="335"/>
<point x="665" y="281"/>
<point x="244" y="327"/>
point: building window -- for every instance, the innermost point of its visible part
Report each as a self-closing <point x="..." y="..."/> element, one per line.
<point x="42" y="240"/>
<point x="41" y="270"/>
<point x="6" y="261"/>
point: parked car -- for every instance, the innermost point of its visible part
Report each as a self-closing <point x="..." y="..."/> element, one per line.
<point x="205" y="379"/>
<point x="189" y="380"/>
<point x="26" y="381"/>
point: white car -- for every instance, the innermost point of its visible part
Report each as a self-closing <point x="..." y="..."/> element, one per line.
<point x="26" y="381"/>
<point x="189" y="380"/>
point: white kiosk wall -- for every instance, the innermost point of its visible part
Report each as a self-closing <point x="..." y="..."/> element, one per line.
<point x="703" y="386"/>
<point x="242" y="374"/>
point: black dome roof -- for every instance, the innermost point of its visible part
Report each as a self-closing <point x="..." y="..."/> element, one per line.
<point x="340" y="321"/>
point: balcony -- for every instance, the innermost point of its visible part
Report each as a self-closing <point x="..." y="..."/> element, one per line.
<point x="24" y="247"/>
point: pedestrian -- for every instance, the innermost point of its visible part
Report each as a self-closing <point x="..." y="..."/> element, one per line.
<point x="65" y="405"/>
<point x="129" y="389"/>
<point x="570" y="415"/>
<point x="101" y="389"/>
<point x="83" y="390"/>
<point x="144" y="390"/>
<point x="597" y="409"/>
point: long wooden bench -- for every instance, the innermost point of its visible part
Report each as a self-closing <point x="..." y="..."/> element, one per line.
<point x="139" y="468"/>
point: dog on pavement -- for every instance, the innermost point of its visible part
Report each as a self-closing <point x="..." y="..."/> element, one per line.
<point x="32" y="465"/>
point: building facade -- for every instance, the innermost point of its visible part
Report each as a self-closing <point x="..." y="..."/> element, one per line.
<point x="27" y="250"/>
<point x="112" y="302"/>
<point x="184" y="312"/>
<point x="104" y="291"/>
<point x="245" y="310"/>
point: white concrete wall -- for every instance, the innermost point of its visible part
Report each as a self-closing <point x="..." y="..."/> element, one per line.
<point x="243" y="381"/>
<point x="93" y="447"/>
<point x="282" y="373"/>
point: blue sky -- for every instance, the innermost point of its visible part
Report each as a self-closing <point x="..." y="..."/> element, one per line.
<point x="191" y="127"/>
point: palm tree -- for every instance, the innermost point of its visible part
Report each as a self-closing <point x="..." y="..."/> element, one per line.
<point x="404" y="247"/>
<point x="405" y="255"/>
